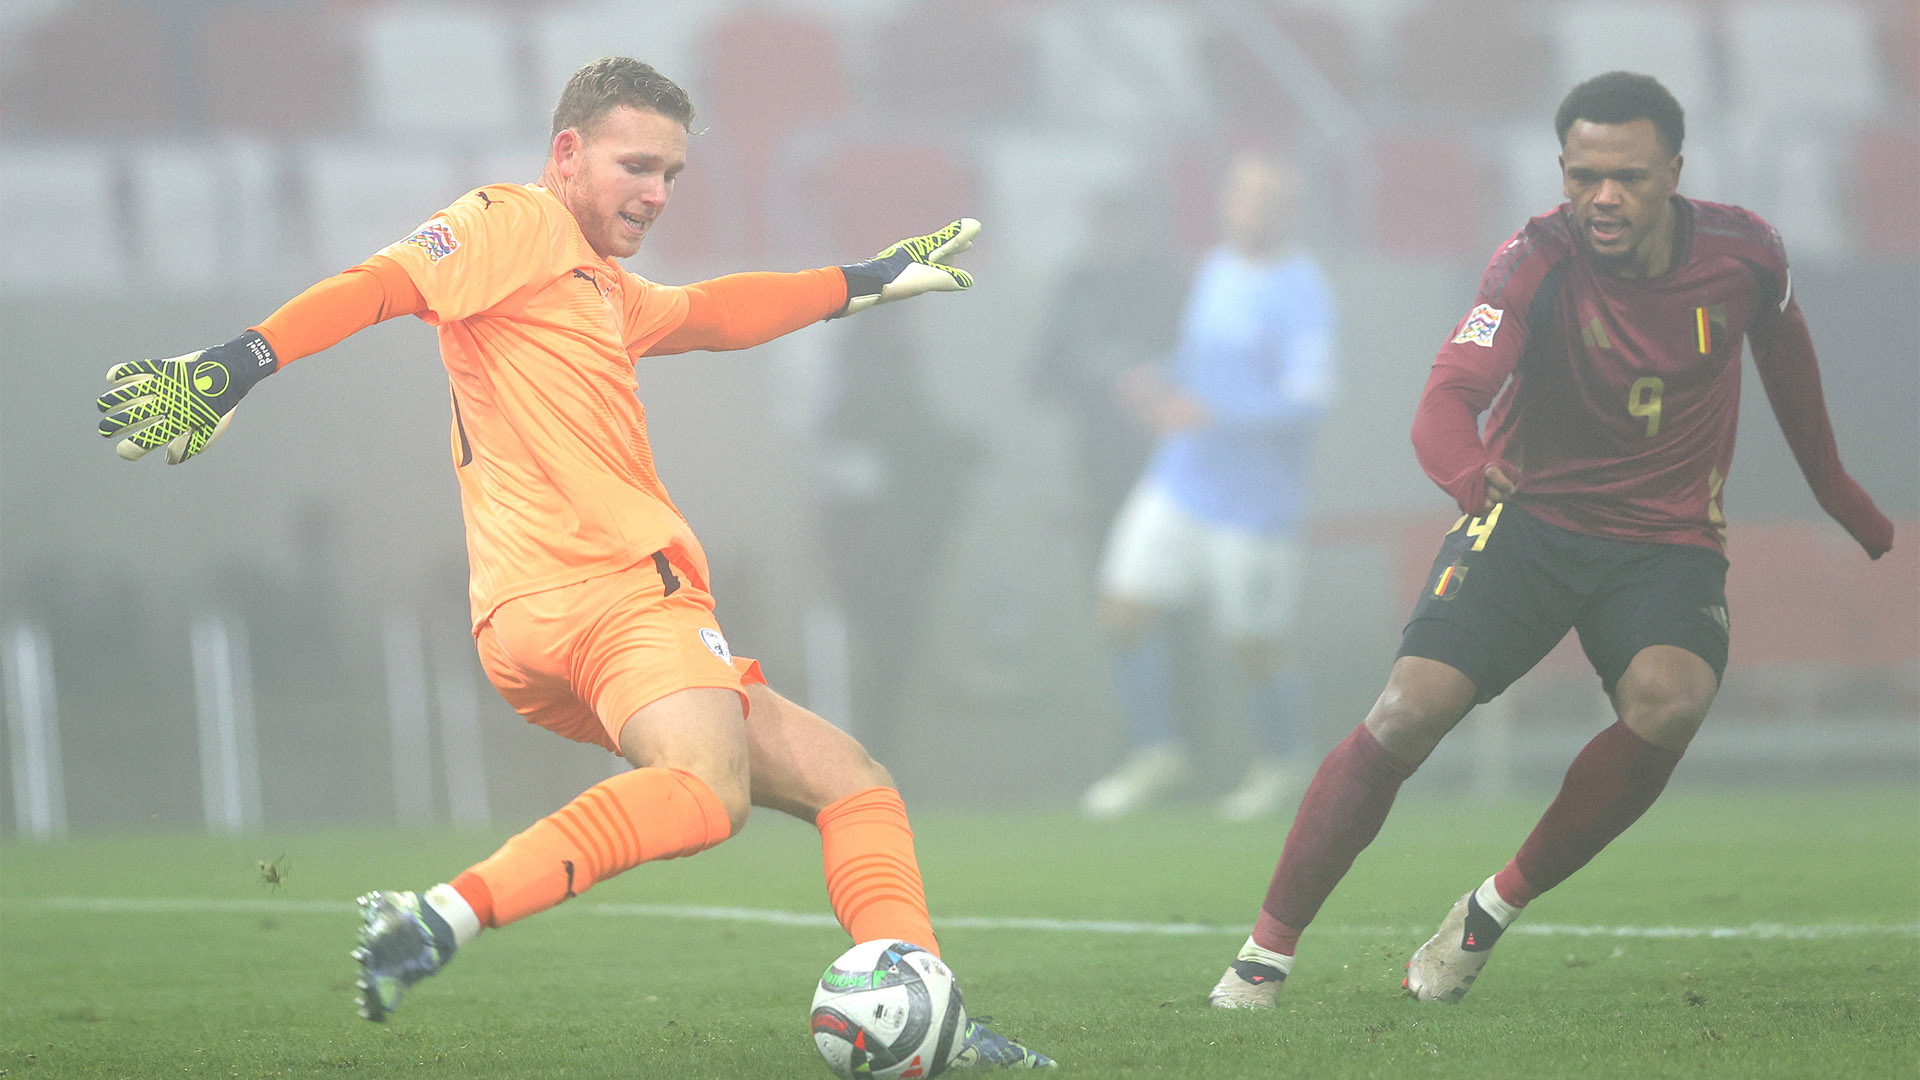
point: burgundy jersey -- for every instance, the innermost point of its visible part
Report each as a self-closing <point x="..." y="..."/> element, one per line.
<point x="1621" y="394"/>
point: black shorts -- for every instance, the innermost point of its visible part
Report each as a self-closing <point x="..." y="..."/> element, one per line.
<point x="1506" y="588"/>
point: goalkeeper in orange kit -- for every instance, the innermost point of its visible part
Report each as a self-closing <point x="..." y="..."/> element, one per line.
<point x="590" y="594"/>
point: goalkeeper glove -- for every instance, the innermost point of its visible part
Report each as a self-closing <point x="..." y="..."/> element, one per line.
<point x="182" y="403"/>
<point x="910" y="267"/>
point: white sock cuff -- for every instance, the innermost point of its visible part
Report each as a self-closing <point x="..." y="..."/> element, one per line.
<point x="1490" y="901"/>
<point x="454" y="908"/>
<point x="1272" y="959"/>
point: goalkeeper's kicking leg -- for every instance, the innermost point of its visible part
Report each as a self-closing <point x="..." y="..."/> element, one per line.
<point x="806" y="767"/>
<point x="790" y="759"/>
<point x="687" y="792"/>
<point x="633" y="663"/>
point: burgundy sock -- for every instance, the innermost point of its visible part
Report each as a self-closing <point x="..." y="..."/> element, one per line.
<point x="1340" y="814"/>
<point x="1609" y="785"/>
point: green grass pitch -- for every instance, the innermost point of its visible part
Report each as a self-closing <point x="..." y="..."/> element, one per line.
<point x="1796" y="953"/>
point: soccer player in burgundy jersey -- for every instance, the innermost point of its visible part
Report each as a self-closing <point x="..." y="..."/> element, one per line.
<point x="1606" y="338"/>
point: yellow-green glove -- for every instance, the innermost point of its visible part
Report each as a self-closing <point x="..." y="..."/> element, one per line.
<point x="912" y="266"/>
<point x="182" y="403"/>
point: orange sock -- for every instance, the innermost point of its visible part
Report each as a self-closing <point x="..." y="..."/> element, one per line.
<point x="610" y="828"/>
<point x="873" y="879"/>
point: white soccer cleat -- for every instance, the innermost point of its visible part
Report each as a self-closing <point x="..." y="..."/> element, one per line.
<point x="1253" y="980"/>
<point x="1445" y="967"/>
<point x="1248" y="984"/>
<point x="1271" y="786"/>
<point x="1144" y="778"/>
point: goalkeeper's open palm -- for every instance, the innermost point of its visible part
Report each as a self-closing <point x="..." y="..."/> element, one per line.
<point x="182" y="403"/>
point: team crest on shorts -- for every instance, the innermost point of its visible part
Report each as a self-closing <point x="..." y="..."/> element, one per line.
<point x="1482" y="323"/>
<point x="436" y="239"/>
<point x="716" y="644"/>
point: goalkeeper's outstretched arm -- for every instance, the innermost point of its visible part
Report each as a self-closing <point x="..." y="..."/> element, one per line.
<point x="738" y="311"/>
<point x="184" y="402"/>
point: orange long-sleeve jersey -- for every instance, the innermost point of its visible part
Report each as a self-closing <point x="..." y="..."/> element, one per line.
<point x="539" y="336"/>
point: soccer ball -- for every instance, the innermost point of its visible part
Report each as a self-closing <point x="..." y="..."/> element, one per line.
<point x="888" y="1009"/>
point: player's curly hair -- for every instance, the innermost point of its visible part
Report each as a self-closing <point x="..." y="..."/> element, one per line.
<point x="1621" y="97"/>
<point x="612" y="81"/>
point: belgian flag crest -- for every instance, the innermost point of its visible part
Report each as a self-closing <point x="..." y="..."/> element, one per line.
<point x="1705" y="320"/>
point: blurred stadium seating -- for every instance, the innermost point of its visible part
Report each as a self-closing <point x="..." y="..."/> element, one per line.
<point x="1462" y="61"/>
<point x="1799" y="108"/>
<point x="100" y="68"/>
<point x="359" y="203"/>
<point x="170" y="166"/>
<point x="274" y="71"/>
<point x="1886" y="189"/>
<point x="439" y="71"/>
<point x="1430" y="195"/>
<point x="855" y="193"/>
<point x="200" y="212"/>
<point x="986" y="81"/>
<point x="1671" y="40"/>
<point x="58" y="217"/>
<point x="767" y="76"/>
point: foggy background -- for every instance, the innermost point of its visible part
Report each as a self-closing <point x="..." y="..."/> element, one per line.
<point x="277" y="632"/>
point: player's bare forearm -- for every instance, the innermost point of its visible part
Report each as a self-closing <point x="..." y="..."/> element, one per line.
<point x="739" y="311"/>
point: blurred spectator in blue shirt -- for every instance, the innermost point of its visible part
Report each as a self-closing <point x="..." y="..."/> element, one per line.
<point x="1215" y="516"/>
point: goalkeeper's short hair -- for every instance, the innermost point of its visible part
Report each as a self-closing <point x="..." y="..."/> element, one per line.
<point x="610" y="82"/>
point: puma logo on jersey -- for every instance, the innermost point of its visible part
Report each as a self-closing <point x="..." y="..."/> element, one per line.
<point x="591" y="280"/>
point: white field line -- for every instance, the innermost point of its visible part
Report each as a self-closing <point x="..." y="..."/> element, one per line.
<point x="104" y="905"/>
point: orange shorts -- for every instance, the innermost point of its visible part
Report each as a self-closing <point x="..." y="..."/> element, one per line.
<point x="581" y="659"/>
